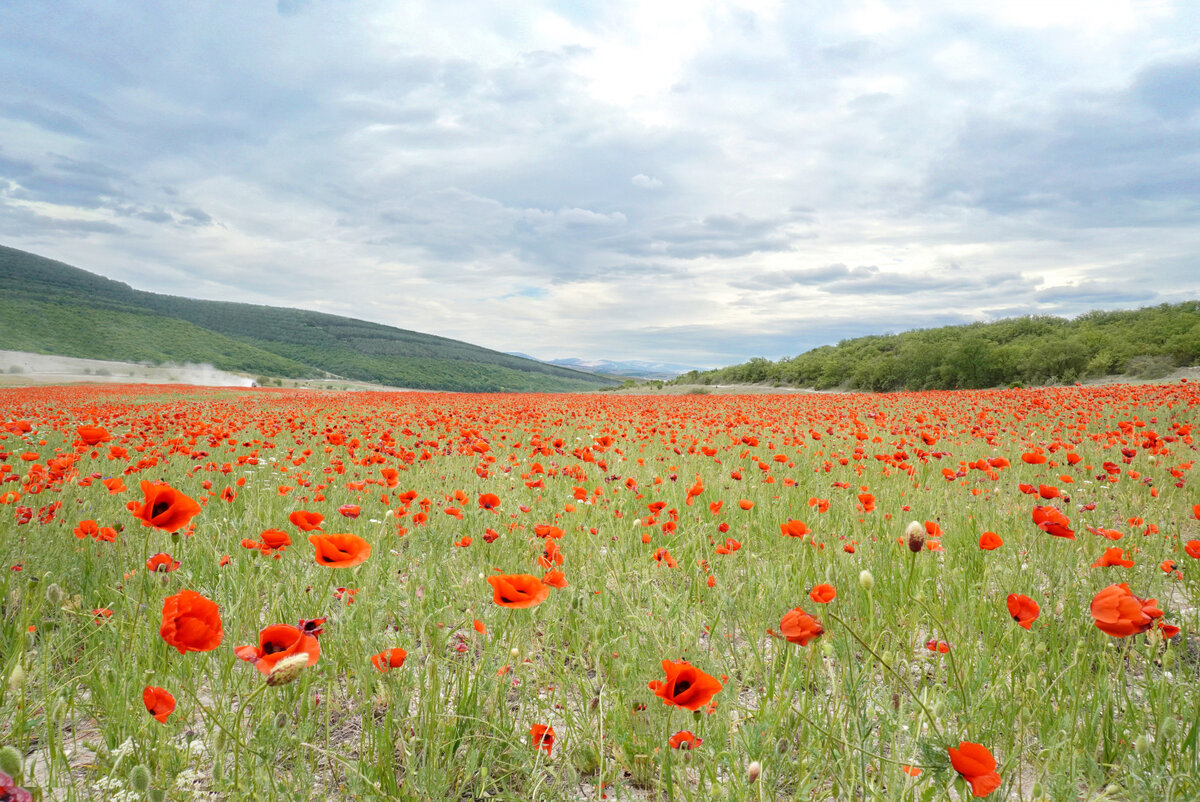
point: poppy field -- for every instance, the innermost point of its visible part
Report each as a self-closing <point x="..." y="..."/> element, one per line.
<point x="215" y="594"/>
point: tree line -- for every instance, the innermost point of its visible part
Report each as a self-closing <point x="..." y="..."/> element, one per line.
<point x="1032" y="350"/>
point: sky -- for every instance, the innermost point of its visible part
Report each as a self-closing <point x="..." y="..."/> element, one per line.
<point x="697" y="183"/>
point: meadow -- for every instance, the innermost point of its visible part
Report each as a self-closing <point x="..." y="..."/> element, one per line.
<point x="260" y="594"/>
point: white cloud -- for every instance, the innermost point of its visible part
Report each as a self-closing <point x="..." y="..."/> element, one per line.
<point x="645" y="182"/>
<point x="657" y="180"/>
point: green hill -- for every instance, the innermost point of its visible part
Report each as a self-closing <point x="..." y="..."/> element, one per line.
<point x="52" y="308"/>
<point x="1144" y="343"/>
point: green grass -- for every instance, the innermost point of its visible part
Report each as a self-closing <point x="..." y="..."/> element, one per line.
<point x="1068" y="711"/>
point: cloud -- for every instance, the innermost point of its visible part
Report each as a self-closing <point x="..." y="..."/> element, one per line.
<point x="697" y="182"/>
<point x="645" y="182"/>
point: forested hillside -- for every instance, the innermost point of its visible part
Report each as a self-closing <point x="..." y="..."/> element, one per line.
<point x="50" y="307"/>
<point x="1143" y="343"/>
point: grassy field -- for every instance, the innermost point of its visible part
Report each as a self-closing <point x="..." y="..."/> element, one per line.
<point x="552" y="597"/>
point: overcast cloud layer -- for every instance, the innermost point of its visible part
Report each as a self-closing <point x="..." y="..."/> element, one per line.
<point x="698" y="182"/>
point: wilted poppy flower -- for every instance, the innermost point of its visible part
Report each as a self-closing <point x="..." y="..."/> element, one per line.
<point x="342" y="550"/>
<point x="799" y="627"/>
<point x="389" y="659"/>
<point x="822" y="594"/>
<point x="977" y="766"/>
<point x="164" y="507"/>
<point x="542" y="737"/>
<point x="159" y="703"/>
<point x="989" y="541"/>
<point x="518" y="590"/>
<point x="1023" y="609"/>
<point x="1119" y="613"/>
<point x="161" y="562"/>
<point x="278" y="642"/>
<point x="306" y="521"/>
<point x="685" y="686"/>
<point x="684" y="740"/>
<point x="191" y="623"/>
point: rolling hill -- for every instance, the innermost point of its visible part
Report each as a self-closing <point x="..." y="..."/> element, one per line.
<point x="53" y="308"/>
<point x="1145" y="343"/>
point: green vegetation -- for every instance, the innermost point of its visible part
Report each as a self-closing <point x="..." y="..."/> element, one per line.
<point x="50" y="307"/>
<point x="1142" y="343"/>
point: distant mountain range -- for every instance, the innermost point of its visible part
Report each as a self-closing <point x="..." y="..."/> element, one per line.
<point x="632" y="368"/>
<point x="52" y="308"/>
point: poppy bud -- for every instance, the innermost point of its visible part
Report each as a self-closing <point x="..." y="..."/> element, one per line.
<point x="55" y="594"/>
<point x="139" y="778"/>
<point x="753" y="772"/>
<point x="866" y="580"/>
<point x="915" y="532"/>
<point x="287" y="669"/>
<point x="1142" y="744"/>
<point x="11" y="762"/>
<point x="781" y="746"/>
<point x="16" y="679"/>
<point x="156" y="795"/>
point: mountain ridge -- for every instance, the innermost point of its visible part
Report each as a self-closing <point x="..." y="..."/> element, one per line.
<point x="111" y="320"/>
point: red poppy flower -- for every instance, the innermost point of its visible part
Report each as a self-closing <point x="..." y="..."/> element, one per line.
<point x="11" y="792"/>
<point x="684" y="740"/>
<point x="1023" y="609"/>
<point x="342" y="550"/>
<point x="555" y="579"/>
<point x="489" y="501"/>
<point x="518" y="590"/>
<point x="277" y="642"/>
<point x="730" y="546"/>
<point x="1113" y="556"/>
<point x="164" y="507"/>
<point x="191" y="623"/>
<point x="1119" y="613"/>
<point x="306" y="521"/>
<point x="542" y="737"/>
<point x="350" y="510"/>
<point x="389" y="659"/>
<point x="685" y="686"/>
<point x="799" y="627"/>
<point x="938" y="646"/>
<point x="989" y="541"/>
<point x="1052" y="521"/>
<point x="822" y="594"/>
<point x="161" y="562"/>
<point x="794" y="529"/>
<point x="93" y="435"/>
<point x="159" y="703"/>
<point x="274" y="540"/>
<point x="977" y="766"/>
<point x="1193" y="549"/>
